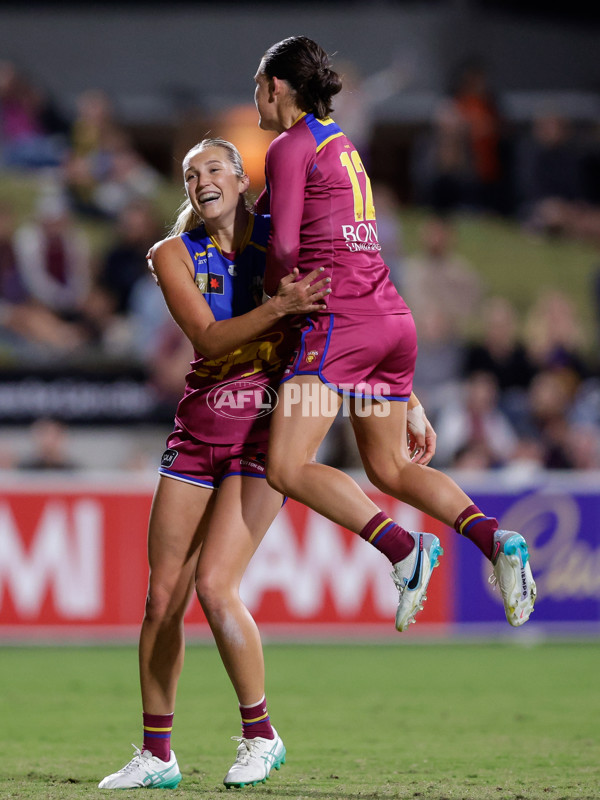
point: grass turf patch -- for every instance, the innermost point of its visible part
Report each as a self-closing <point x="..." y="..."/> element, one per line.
<point x="359" y="721"/>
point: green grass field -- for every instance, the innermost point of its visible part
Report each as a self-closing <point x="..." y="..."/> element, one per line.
<point x="420" y="720"/>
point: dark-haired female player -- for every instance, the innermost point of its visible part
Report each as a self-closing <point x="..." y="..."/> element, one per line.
<point x="363" y="346"/>
<point x="210" y="512"/>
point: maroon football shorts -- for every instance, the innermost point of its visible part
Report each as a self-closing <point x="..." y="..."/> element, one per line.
<point x="205" y="464"/>
<point x="369" y="356"/>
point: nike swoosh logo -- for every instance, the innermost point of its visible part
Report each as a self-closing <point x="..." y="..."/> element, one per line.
<point x="414" y="581"/>
<point x="496" y="552"/>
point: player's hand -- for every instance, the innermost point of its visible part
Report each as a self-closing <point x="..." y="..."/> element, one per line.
<point x="151" y="266"/>
<point x="421" y="436"/>
<point x="302" y="296"/>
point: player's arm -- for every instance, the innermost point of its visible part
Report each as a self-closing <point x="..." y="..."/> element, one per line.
<point x="287" y="166"/>
<point x="174" y="272"/>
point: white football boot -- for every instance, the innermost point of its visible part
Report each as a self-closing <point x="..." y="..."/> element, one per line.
<point x="412" y="574"/>
<point x="145" y="771"/>
<point x="254" y="760"/>
<point x="512" y="573"/>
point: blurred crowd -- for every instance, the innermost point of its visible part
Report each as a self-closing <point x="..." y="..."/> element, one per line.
<point x="63" y="298"/>
<point x="524" y="391"/>
<point x="501" y="387"/>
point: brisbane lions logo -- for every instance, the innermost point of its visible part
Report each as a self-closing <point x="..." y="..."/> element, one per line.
<point x="259" y="355"/>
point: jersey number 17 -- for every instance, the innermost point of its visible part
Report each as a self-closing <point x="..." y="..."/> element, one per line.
<point x="364" y="209"/>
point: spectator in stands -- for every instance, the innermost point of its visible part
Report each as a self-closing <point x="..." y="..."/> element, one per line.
<point x="527" y="459"/>
<point x="50" y="446"/>
<point x="32" y="130"/>
<point x="94" y="125"/>
<point x="563" y="396"/>
<point x="549" y="173"/>
<point x="124" y="263"/>
<point x="104" y="172"/>
<point x="11" y="286"/>
<point x="554" y="336"/>
<point x="444" y="293"/>
<point x="550" y="399"/>
<point x="128" y="178"/>
<point x="27" y="328"/>
<point x="585" y="447"/>
<point x="501" y="353"/>
<point x="53" y="257"/>
<point x="442" y="167"/>
<point x="440" y="360"/>
<point x="92" y="133"/>
<point x="476" y="104"/>
<point x="439" y="275"/>
<point x="121" y="301"/>
<point x="475" y="423"/>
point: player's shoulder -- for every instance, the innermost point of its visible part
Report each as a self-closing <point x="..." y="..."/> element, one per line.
<point x="291" y="139"/>
<point x="171" y="246"/>
<point x="165" y="247"/>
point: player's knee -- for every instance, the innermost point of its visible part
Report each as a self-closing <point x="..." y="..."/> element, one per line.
<point x="278" y="475"/>
<point x="386" y="475"/>
<point x="211" y="591"/>
<point x="159" y="606"/>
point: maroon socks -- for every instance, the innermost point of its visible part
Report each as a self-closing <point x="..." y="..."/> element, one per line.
<point x="157" y="734"/>
<point x="396" y="543"/>
<point x="255" y="721"/>
<point x="387" y="537"/>
<point x="474" y="525"/>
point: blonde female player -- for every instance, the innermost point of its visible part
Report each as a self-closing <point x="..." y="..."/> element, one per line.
<point x="364" y="345"/>
<point x="212" y="506"/>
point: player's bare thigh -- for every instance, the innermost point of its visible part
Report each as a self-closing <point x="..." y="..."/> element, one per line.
<point x="304" y="414"/>
<point x="243" y="511"/>
<point x="178" y="519"/>
<point x="380" y="431"/>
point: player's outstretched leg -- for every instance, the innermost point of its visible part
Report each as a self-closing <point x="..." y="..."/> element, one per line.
<point x="145" y="771"/>
<point x="412" y="574"/>
<point x="254" y="760"/>
<point x="512" y="573"/>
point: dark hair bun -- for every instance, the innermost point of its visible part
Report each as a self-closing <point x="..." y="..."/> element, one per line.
<point x="305" y="66"/>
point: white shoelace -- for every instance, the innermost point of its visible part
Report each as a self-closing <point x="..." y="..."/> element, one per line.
<point x="400" y="583"/>
<point x="244" y="752"/>
<point x="135" y="761"/>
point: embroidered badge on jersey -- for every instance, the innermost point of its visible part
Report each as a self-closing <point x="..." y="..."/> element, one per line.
<point x="210" y="283"/>
<point x="168" y="457"/>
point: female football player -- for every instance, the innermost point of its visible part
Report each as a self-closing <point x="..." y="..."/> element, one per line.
<point x="209" y="512"/>
<point x="363" y="346"/>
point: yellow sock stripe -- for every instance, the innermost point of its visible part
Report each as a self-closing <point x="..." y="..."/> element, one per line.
<point x="158" y="730"/>
<point x="468" y="519"/>
<point x="256" y="719"/>
<point x="378" y="528"/>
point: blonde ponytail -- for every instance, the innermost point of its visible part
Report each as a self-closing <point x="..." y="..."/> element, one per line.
<point x="186" y="220"/>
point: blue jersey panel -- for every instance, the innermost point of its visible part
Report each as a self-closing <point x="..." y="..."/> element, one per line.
<point x="323" y="130"/>
<point x="231" y="286"/>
